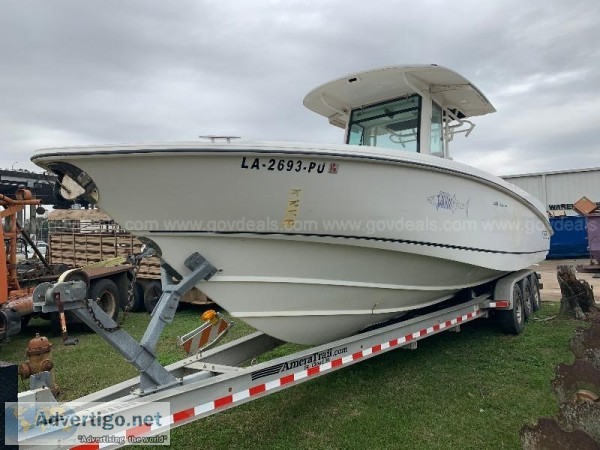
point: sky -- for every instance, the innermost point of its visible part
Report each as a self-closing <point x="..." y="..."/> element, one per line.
<point x="80" y="73"/>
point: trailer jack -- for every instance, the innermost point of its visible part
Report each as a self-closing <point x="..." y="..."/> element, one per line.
<point x="63" y="321"/>
<point x="72" y="296"/>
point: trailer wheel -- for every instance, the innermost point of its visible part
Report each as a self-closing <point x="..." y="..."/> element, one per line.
<point x="152" y="294"/>
<point x="512" y="321"/>
<point x="536" y="300"/>
<point x="106" y="294"/>
<point x="527" y="299"/>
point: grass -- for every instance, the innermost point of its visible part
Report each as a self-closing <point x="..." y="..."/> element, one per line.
<point x="473" y="389"/>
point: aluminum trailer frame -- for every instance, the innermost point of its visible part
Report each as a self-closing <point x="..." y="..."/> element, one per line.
<point x="217" y="380"/>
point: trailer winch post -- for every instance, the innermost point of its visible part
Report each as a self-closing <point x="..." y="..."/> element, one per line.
<point x="72" y="295"/>
<point x="165" y="309"/>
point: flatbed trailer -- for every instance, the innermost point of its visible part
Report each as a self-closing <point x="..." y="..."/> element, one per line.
<point x="219" y="379"/>
<point x="80" y="237"/>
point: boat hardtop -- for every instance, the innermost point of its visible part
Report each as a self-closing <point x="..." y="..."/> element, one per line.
<point x="336" y="99"/>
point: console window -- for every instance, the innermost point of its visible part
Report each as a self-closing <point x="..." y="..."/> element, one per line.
<point x="437" y="130"/>
<point x="393" y="124"/>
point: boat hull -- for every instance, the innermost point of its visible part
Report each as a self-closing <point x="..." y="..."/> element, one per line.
<point x="313" y="292"/>
<point x="314" y="244"/>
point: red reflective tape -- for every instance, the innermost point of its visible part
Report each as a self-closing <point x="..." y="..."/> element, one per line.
<point x="393" y="342"/>
<point x="255" y="390"/>
<point x="137" y="431"/>
<point x="422" y="332"/>
<point x="182" y="415"/>
<point x="408" y="337"/>
<point x="336" y="362"/>
<point x="448" y="323"/>
<point x="287" y="379"/>
<point x="94" y="446"/>
<point x="223" y="401"/>
<point x="312" y="370"/>
<point x="357" y="355"/>
<point x="436" y="327"/>
<point x="376" y="348"/>
<point x="459" y="319"/>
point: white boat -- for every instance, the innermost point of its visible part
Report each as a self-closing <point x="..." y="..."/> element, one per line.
<point x="315" y="241"/>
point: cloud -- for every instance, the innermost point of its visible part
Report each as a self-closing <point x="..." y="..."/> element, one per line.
<point x="136" y="71"/>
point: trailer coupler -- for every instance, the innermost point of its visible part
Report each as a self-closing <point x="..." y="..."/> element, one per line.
<point x="73" y="295"/>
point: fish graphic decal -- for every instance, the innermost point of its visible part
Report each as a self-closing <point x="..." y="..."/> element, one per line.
<point x="445" y="200"/>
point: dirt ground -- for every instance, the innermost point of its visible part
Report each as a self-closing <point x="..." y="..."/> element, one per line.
<point x="551" y="291"/>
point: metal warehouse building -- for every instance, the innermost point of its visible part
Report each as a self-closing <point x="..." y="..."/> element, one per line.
<point x="558" y="190"/>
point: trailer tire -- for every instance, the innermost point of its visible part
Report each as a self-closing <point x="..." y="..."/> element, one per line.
<point x="152" y="294"/>
<point x="536" y="300"/>
<point x="527" y="299"/>
<point x="106" y="294"/>
<point x="512" y="321"/>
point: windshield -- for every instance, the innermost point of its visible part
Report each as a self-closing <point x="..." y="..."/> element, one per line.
<point x="391" y="124"/>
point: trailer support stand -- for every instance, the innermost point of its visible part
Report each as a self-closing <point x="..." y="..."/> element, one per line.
<point x="165" y="309"/>
<point x="153" y="376"/>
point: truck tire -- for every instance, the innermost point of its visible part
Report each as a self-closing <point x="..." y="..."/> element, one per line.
<point x="138" y="293"/>
<point x="152" y="294"/>
<point x="137" y="303"/>
<point x="512" y="321"/>
<point x="536" y="300"/>
<point x="527" y="298"/>
<point x="106" y="294"/>
<point x="55" y="324"/>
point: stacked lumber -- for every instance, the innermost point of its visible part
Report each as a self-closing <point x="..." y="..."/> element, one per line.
<point x="81" y="249"/>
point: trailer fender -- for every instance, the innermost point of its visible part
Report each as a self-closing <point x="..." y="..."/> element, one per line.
<point x="512" y="320"/>
<point x="503" y="291"/>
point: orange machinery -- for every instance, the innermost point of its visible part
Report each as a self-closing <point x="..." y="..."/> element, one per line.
<point x="15" y="302"/>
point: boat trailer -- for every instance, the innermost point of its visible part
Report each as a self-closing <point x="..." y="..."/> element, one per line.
<point x="215" y="380"/>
